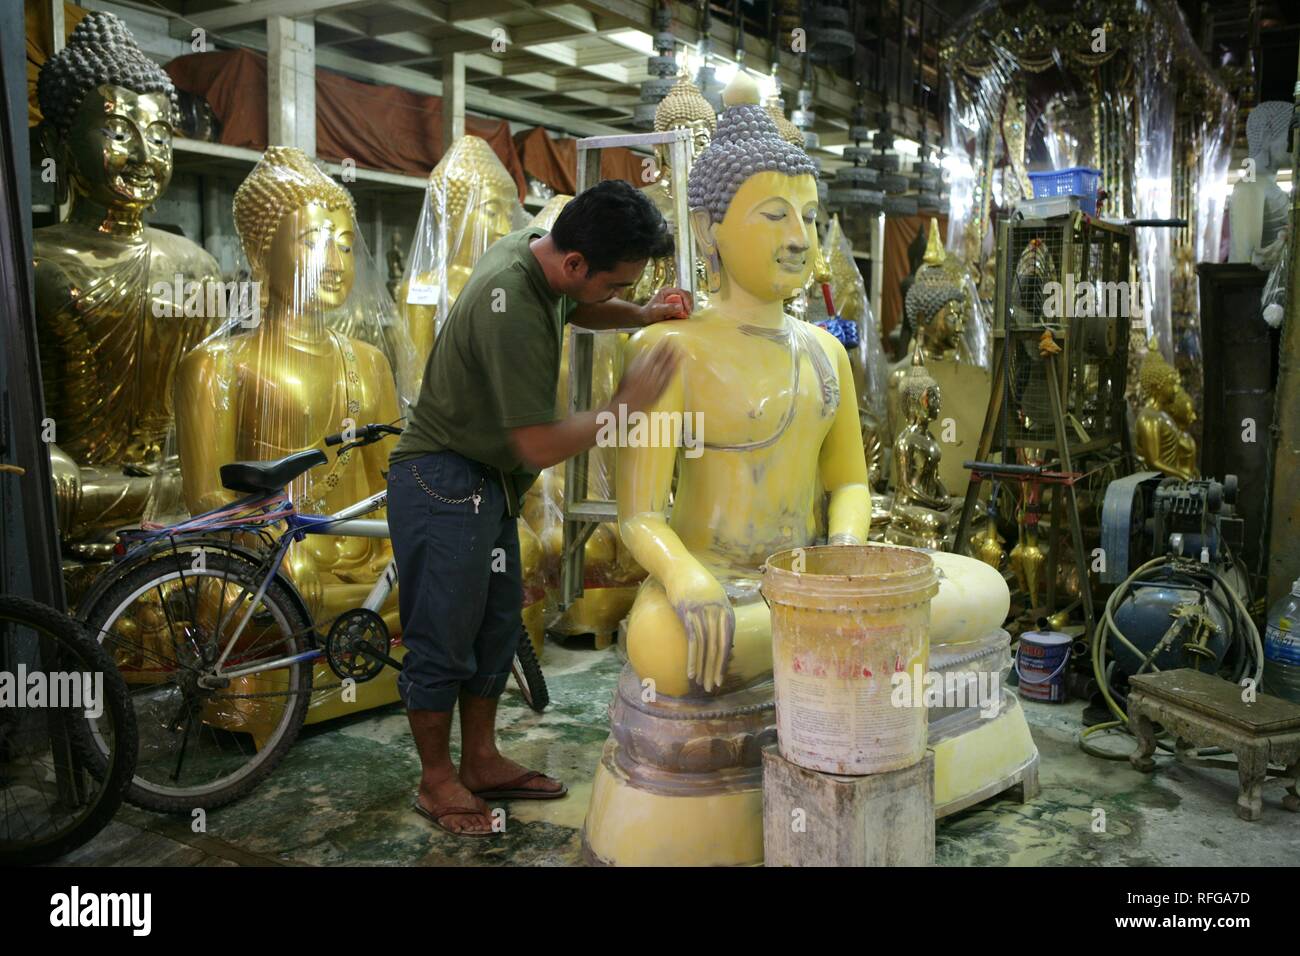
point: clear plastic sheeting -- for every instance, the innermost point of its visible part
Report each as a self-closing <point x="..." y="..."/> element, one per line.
<point x="283" y="375"/>
<point x="1038" y="88"/>
<point x="471" y="202"/>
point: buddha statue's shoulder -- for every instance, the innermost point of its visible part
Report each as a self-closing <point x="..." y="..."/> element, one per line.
<point x="170" y="251"/>
<point x="682" y="331"/>
<point x="832" y="346"/>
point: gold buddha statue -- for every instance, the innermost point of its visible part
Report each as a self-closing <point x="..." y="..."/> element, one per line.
<point x="117" y="302"/>
<point x="683" y="108"/>
<point x="785" y="129"/>
<point x="922" y="508"/>
<point x="281" y="386"/>
<point x="471" y="202"/>
<point x="1026" y="561"/>
<point x="679" y="780"/>
<point x="1161" y="439"/>
<point x="938" y="307"/>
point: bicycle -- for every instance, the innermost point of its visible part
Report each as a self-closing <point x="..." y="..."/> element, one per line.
<point x="57" y="791"/>
<point x="218" y="645"/>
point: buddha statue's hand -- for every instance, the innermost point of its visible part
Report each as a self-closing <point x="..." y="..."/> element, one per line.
<point x="705" y="612"/>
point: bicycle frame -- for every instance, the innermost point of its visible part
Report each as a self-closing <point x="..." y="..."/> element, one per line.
<point x="347" y="522"/>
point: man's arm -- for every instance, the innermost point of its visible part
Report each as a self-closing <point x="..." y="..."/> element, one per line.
<point x="668" y="303"/>
<point x="540" y="446"/>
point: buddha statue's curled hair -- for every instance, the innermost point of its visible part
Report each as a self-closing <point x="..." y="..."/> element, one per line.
<point x="1155" y="375"/>
<point x="747" y="142"/>
<point x="470" y="165"/>
<point x="683" y="106"/>
<point x="284" y="179"/>
<point x="101" y="51"/>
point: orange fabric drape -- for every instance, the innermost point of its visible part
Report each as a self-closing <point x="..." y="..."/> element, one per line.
<point x="899" y="233"/>
<point x="555" y="161"/>
<point x="40" y="45"/>
<point x="377" y="126"/>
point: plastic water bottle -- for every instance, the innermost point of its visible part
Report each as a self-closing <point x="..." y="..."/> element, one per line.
<point x="1282" y="647"/>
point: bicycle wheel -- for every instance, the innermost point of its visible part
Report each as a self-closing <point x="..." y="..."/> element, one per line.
<point x="52" y="799"/>
<point x="528" y="674"/>
<point x="166" y="623"/>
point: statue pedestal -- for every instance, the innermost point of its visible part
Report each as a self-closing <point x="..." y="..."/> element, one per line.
<point x="822" y="819"/>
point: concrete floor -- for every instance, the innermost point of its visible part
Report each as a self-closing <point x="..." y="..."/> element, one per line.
<point x="342" y="796"/>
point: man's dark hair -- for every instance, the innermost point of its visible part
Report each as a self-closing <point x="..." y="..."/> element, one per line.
<point x="609" y="223"/>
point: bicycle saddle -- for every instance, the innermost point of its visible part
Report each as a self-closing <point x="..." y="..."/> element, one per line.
<point x="269" y="477"/>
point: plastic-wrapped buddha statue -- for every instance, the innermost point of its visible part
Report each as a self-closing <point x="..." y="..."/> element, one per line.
<point x="117" y="302"/>
<point x="1258" y="210"/>
<point x="281" y="386"/>
<point x="1161" y="435"/>
<point x="683" y="108"/>
<point x="922" y="510"/>
<point x="471" y="202"/>
<point x="774" y="420"/>
<point x="610" y="573"/>
<point x="937" y="305"/>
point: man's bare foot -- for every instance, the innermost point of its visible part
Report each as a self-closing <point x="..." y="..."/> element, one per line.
<point x="488" y="771"/>
<point x="439" y="792"/>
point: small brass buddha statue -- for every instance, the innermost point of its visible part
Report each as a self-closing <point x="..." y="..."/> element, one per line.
<point x="683" y="108"/>
<point x="471" y="202"/>
<point x="1026" y="561"/>
<point x="922" y="509"/>
<point x="1161" y="437"/>
<point x="117" y="302"/>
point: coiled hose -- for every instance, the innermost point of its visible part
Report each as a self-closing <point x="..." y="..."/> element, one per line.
<point x="1107" y="626"/>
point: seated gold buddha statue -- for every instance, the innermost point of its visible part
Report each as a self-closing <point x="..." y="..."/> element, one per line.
<point x="938" y="307"/>
<point x="117" y="302"/>
<point x="922" y="509"/>
<point x="683" y="108"/>
<point x="283" y="384"/>
<point x="1161" y="439"/>
<point x="679" y="780"/>
<point x="471" y="202"/>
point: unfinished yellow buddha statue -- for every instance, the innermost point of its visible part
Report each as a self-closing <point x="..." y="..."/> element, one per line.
<point x="922" y="509"/>
<point x="770" y="401"/>
<point x="1161" y="438"/>
<point x="683" y="108"/>
<point x="281" y="386"/>
<point x="471" y="202"/>
<point x="117" y="302"/>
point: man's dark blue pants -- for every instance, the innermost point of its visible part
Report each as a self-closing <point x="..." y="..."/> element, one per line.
<point x="460" y="589"/>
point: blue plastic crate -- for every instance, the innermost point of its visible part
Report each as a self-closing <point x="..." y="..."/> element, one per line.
<point x="1078" y="181"/>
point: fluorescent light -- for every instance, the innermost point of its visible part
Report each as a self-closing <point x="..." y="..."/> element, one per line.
<point x="637" y="40"/>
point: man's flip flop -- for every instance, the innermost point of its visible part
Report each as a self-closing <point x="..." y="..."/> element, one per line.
<point x="436" y="815"/>
<point x="515" y="789"/>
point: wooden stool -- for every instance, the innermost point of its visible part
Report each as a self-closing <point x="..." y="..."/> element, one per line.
<point x="1206" y="711"/>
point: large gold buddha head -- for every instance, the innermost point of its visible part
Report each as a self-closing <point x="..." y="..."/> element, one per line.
<point x="753" y="200"/>
<point x="108" y="114"/>
<point x="684" y="108"/>
<point x="298" y="230"/>
<point x="1158" y="380"/>
<point x="474" y="196"/>
<point x="936" y="300"/>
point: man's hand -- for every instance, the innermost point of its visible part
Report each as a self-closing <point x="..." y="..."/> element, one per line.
<point x="647" y="377"/>
<point x="668" y="303"/>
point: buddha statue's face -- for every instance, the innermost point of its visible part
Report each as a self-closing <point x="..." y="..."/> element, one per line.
<point x="700" y="136"/>
<point x="312" y="261"/>
<point x="119" y="147"/>
<point x="767" y="241"/>
<point x="1182" y="408"/>
<point x="922" y="403"/>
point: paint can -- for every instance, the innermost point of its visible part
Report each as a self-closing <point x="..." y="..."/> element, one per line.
<point x="850" y="635"/>
<point x="1041" y="660"/>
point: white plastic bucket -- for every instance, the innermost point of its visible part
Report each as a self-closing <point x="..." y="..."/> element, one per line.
<point x="845" y="621"/>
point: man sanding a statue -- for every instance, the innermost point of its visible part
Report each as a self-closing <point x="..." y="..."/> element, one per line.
<point x="484" y="425"/>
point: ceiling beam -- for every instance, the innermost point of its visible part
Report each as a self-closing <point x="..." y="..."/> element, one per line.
<point x="243" y="13"/>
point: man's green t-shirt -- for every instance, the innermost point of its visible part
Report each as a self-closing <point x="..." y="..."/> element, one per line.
<point x="494" y="365"/>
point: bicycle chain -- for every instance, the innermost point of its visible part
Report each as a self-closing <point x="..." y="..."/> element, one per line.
<point x="448" y="501"/>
